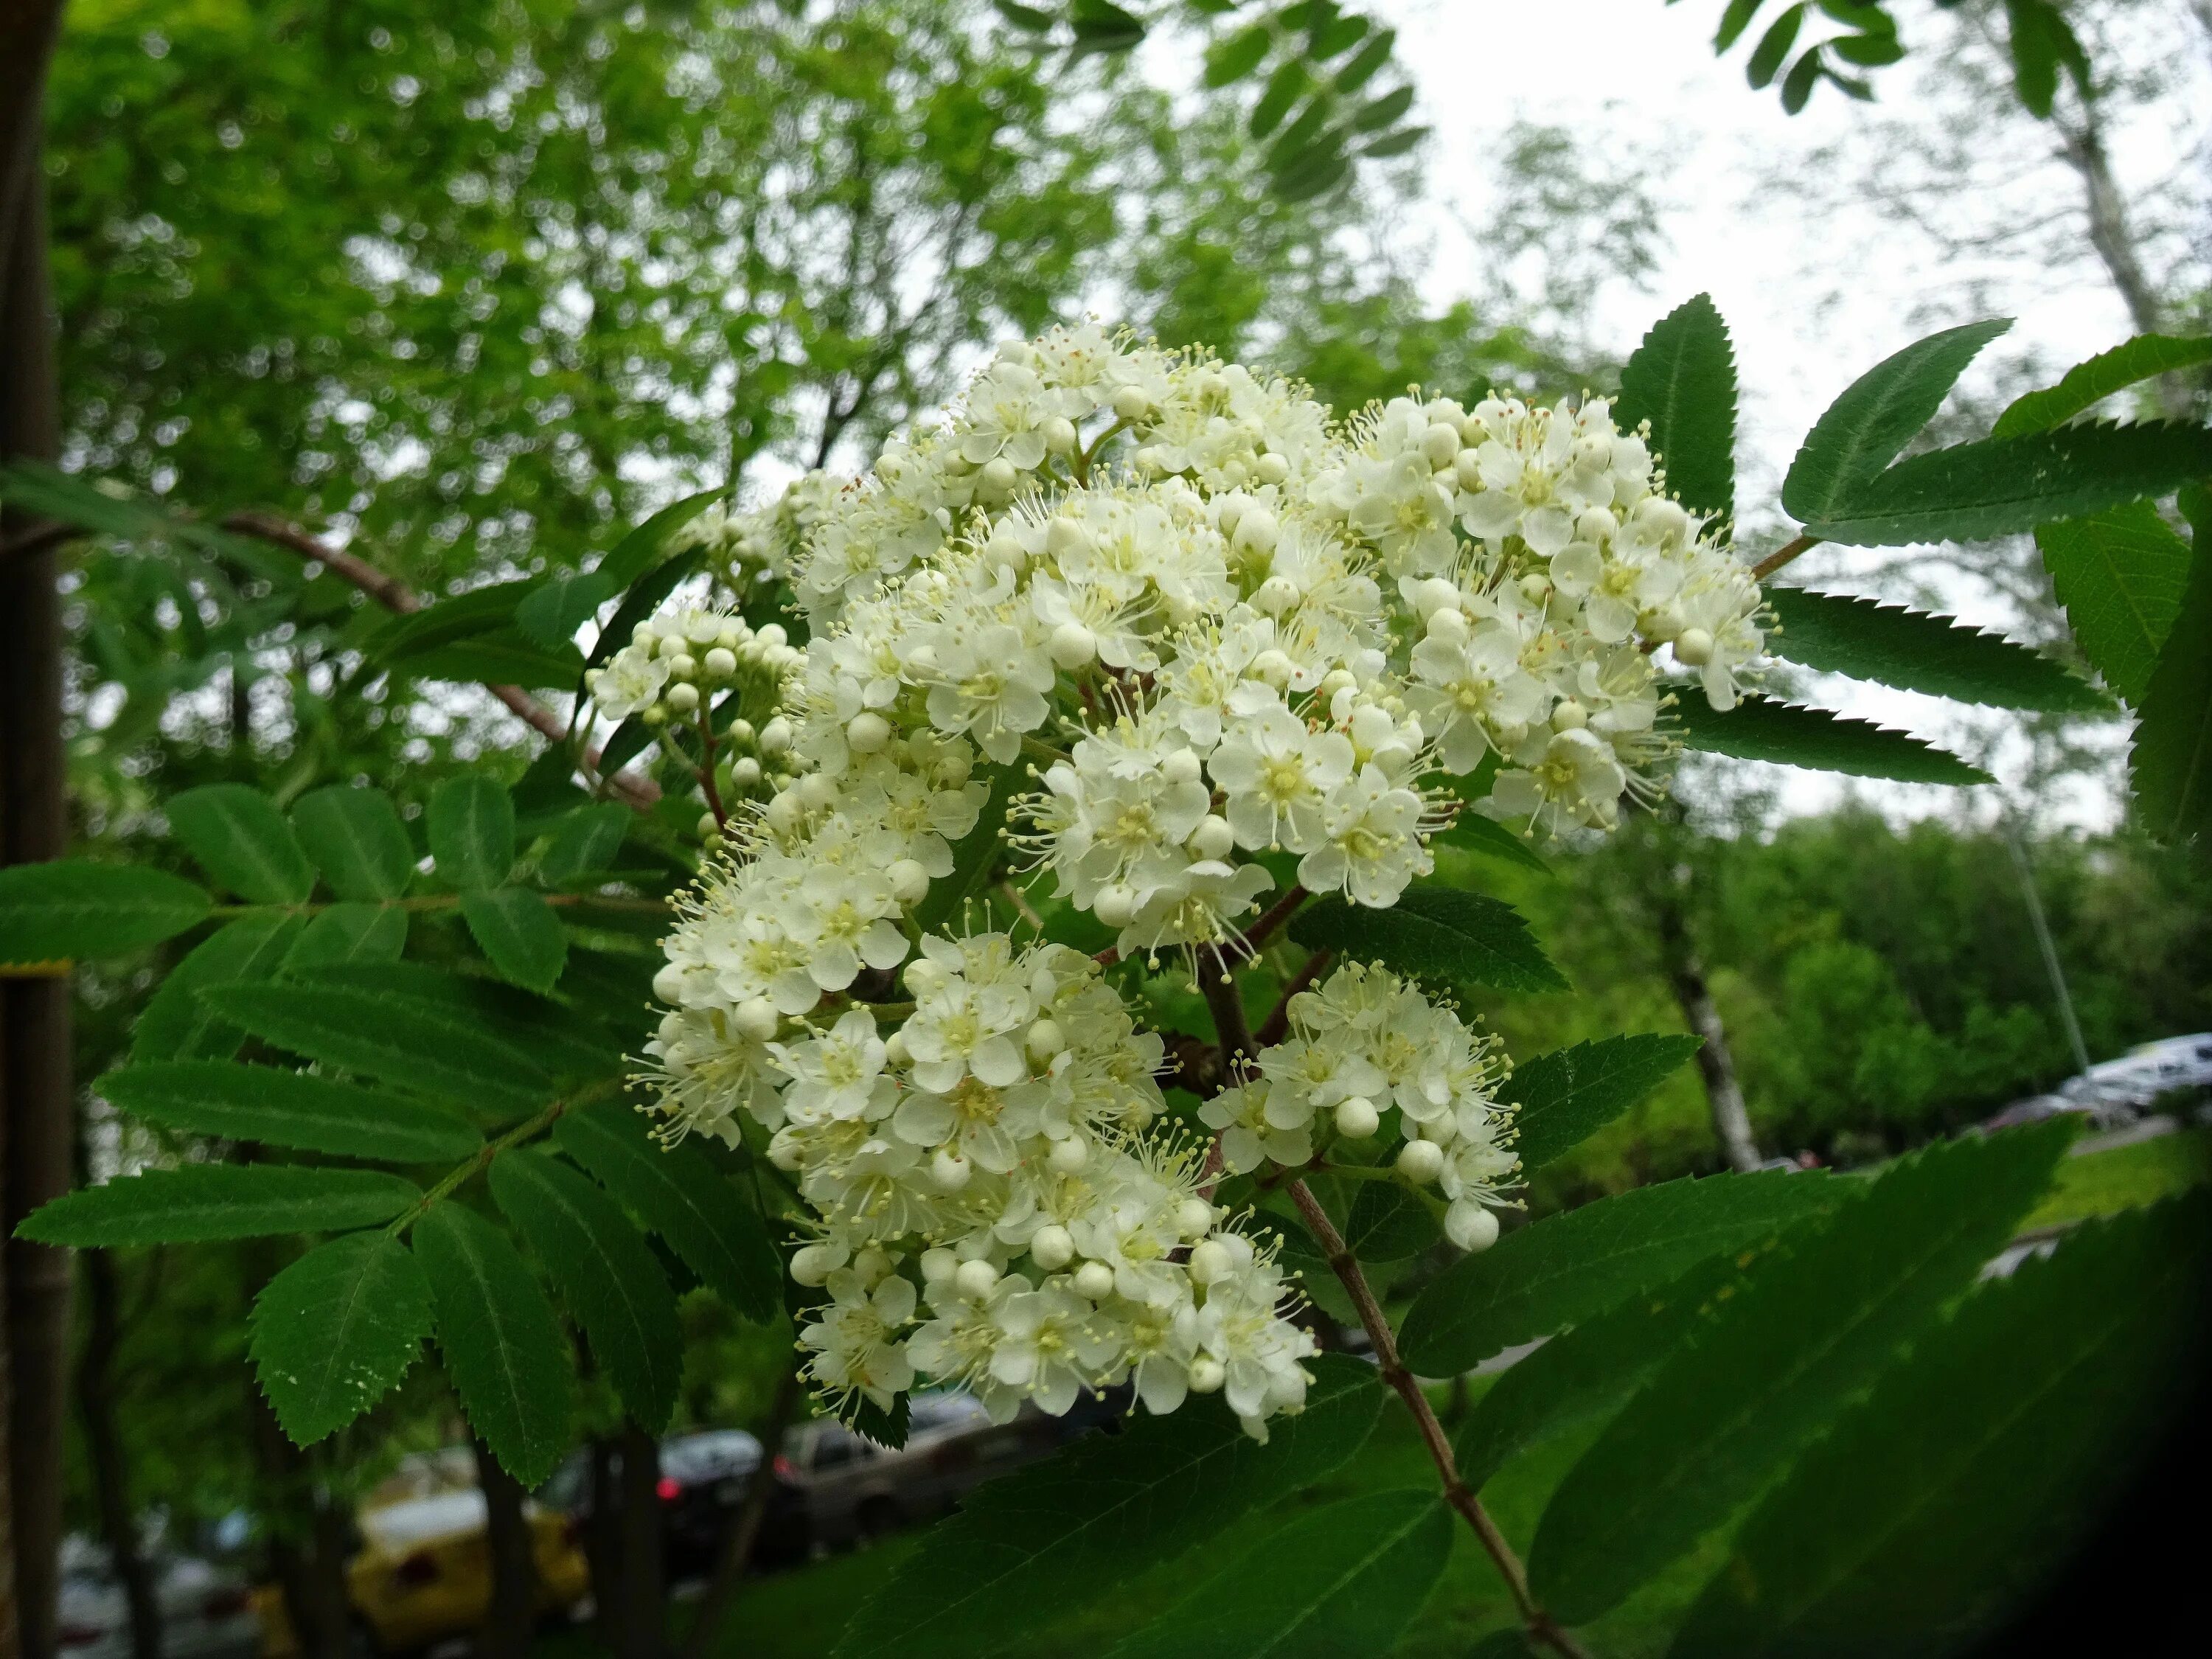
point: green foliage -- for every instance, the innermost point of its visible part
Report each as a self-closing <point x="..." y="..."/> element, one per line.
<point x="584" y="842"/>
<point x="2171" y="764"/>
<point x="518" y="930"/>
<point x="1344" y="1578"/>
<point x="472" y="824"/>
<point x="1436" y="933"/>
<point x="676" y="1191"/>
<point x="1915" y="651"/>
<point x="356" y="837"/>
<point x="177" y="1024"/>
<point x="204" y="1201"/>
<point x="276" y="1108"/>
<point x="1820" y="1322"/>
<point x="2088" y="384"/>
<point x="499" y="1339"/>
<point x="2039" y="40"/>
<point x="240" y="839"/>
<point x="1868" y="425"/>
<point x="2120" y="573"/>
<point x="606" y="1274"/>
<point x="335" y="1332"/>
<point x="1682" y="380"/>
<point x="2000" y="486"/>
<point x="1563" y="1269"/>
<point x="976" y="855"/>
<point x="1064" y="1534"/>
<point x="1942" y="1498"/>
<point x="1481" y="835"/>
<point x="1565" y="1097"/>
<point x="347" y="934"/>
<point x="76" y="907"/>
<point x="1791" y="734"/>
<point x="431" y="1049"/>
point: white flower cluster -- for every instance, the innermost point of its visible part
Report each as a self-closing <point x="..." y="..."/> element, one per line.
<point x="676" y="662"/>
<point x="1211" y="623"/>
<point x="744" y="547"/>
<point x="1362" y="1044"/>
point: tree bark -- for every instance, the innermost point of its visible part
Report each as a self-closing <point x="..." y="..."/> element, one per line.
<point x="641" y="1630"/>
<point x="103" y="1441"/>
<point x="1686" y="975"/>
<point x="512" y="1561"/>
<point x="743" y="1537"/>
<point x="35" y="1138"/>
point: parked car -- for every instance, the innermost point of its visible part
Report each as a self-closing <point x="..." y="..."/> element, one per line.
<point x="206" y="1609"/>
<point x="703" y="1480"/>
<point x="424" y="1571"/>
<point x="851" y="1490"/>
<point x="2117" y="1092"/>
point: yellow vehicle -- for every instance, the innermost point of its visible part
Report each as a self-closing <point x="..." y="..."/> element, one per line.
<point x="423" y="1574"/>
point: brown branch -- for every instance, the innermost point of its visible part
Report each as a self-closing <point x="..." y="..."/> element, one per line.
<point x="1782" y="556"/>
<point x="1278" y="914"/>
<point x="1279" y="1018"/>
<point x="1541" y="1625"/>
<point x="394" y="595"/>
<point x="1225" y="1002"/>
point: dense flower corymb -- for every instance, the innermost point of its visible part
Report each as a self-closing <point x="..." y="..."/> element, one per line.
<point x="1182" y="619"/>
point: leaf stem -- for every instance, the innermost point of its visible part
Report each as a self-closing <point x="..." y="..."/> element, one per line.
<point x="1541" y="1625"/>
<point x="477" y="1162"/>
<point x="1782" y="556"/>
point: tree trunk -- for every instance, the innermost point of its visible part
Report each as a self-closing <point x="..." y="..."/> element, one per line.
<point x="308" y="1537"/>
<point x="603" y="1539"/>
<point x="35" y="1138"/>
<point x="641" y="1622"/>
<point x="1686" y="975"/>
<point x="513" y="1562"/>
<point x="103" y="1441"/>
<point x="738" y="1546"/>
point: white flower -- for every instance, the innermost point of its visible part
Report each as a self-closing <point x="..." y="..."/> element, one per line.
<point x="1277" y="775"/>
<point x="855" y="1341"/>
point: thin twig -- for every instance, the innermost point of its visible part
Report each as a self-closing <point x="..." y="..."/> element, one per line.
<point x="462" y="1173"/>
<point x="1279" y="1018"/>
<point x="1782" y="556"/>
<point x="1540" y="1625"/>
<point x="1278" y="914"/>
<point x="1224" y="1000"/>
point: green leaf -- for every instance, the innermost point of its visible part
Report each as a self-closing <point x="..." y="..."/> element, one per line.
<point x="564" y="1044"/>
<point x="606" y="1275"/>
<point x="643" y="547"/>
<point x="177" y="1024"/>
<point x="1765" y="59"/>
<point x="1345" y="1578"/>
<point x="644" y="598"/>
<point x="242" y="841"/>
<point x="1383" y="111"/>
<point x="1387" y="1223"/>
<point x="1567" y="1096"/>
<point x="1818" y="1324"/>
<point x="1587" y="1372"/>
<point x="1946" y="1498"/>
<point x="1102" y="26"/>
<point x="72" y="907"/>
<point x="1481" y="835"/>
<point x="973" y="857"/>
<point x="677" y="1192"/>
<point x="2121" y="575"/>
<point x="406" y="639"/>
<point x="518" y="930"/>
<point x="1234" y="56"/>
<point x="1567" y="1266"/>
<point x="2041" y="42"/>
<point x="288" y="1109"/>
<point x="201" y="1202"/>
<point x="1866" y="428"/>
<point x="472" y="824"/>
<point x="2000" y="486"/>
<point x="1804" y="74"/>
<point x="2170" y="765"/>
<point x="1284" y="87"/>
<point x="584" y="841"/>
<point x="356" y="837"/>
<point x="550" y="616"/>
<point x="444" y="1052"/>
<point x="501" y="1343"/>
<point x="1682" y="380"/>
<point x="1434" y="933"/>
<point x="335" y="1332"/>
<point x="503" y="656"/>
<point x="1069" y="1532"/>
<point x="1790" y="734"/>
<point x="1734" y="22"/>
<point x="1917" y="651"/>
<point x="2086" y="385"/>
<point x="349" y="932"/>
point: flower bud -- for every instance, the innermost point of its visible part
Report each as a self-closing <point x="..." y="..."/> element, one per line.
<point x="643" y="637"/>
<point x="1211" y="1260"/>
<point x="745" y="772"/>
<point x="721" y="664"/>
<point x="1095" y="1280"/>
<point x="924" y="976"/>
<point x="949" y="1169"/>
<point x="1114" y="905"/>
<point x="1275" y="595"/>
<point x="1273" y="667"/>
<point x="1051" y="1249"/>
<point x="1569" y="716"/>
<point x="1068" y="1155"/>
<point x="1073" y="645"/>
<point x="1466" y="468"/>
<point x="776" y="736"/>
<point x="1060" y="435"/>
<point x="1045" y="1040"/>
<point x="1441" y="444"/>
<point x="683" y="698"/>
<point x="1181" y="767"/>
<point x="1133" y="403"/>
<point x="1271" y="469"/>
<point x="709" y="826"/>
<point x="975" y="1279"/>
<point x="1206" y="1375"/>
<point x="873" y="1263"/>
<point x="668" y="983"/>
<point x="1193" y="1218"/>
<point x="756" y="1018"/>
<point x="816" y="792"/>
<point x="1470" y="1226"/>
<point x="999" y="476"/>
<point x="867" y="731"/>
<point x="810" y="1264"/>
<point x="909" y="881"/>
<point x="1212" y="839"/>
<point x="785" y="811"/>
<point x="773" y="635"/>
<point x="1356" y="1118"/>
<point x="1693" y="647"/>
<point x="938" y="1265"/>
<point x="1449" y="625"/>
<point x="1257" y="531"/>
<point x="895" y="1052"/>
<point x="741" y="732"/>
<point x="1535" y="587"/>
<point x="1420" y="1162"/>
